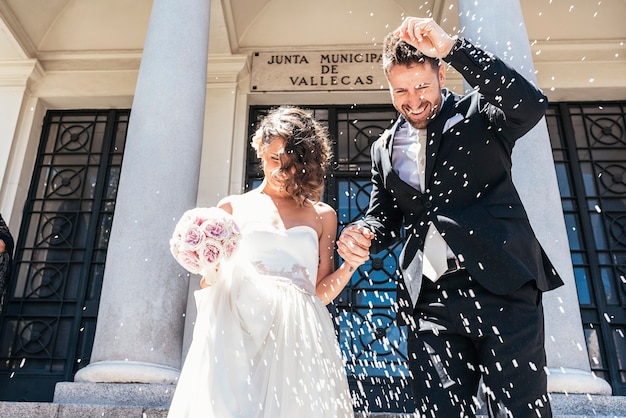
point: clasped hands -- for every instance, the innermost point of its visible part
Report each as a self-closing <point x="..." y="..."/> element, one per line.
<point x="354" y="244"/>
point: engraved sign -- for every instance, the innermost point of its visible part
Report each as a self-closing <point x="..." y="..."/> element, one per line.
<point x="317" y="71"/>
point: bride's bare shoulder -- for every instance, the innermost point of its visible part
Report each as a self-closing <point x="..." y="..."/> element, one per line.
<point x="324" y="209"/>
<point x="227" y="203"/>
<point x="246" y="199"/>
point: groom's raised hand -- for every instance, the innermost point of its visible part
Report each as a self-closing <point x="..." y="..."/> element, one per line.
<point x="426" y="35"/>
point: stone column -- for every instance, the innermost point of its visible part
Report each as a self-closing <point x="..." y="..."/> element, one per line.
<point x="223" y="162"/>
<point x="501" y="30"/>
<point x="144" y="295"/>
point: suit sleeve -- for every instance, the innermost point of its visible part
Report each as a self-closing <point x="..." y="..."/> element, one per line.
<point x="511" y="103"/>
<point x="383" y="217"/>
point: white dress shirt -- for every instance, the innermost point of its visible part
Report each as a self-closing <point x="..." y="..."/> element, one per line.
<point x="407" y="152"/>
<point x="408" y="158"/>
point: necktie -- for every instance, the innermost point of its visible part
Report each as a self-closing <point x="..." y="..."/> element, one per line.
<point x="435" y="261"/>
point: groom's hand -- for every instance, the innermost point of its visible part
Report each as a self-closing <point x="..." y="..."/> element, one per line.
<point x="354" y="245"/>
<point x="426" y="35"/>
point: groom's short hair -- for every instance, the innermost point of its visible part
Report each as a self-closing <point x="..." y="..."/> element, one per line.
<point x="397" y="51"/>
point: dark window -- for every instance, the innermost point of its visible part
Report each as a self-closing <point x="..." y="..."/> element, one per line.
<point x="49" y="319"/>
<point x="589" y="148"/>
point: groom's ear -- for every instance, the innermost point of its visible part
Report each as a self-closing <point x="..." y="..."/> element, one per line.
<point x="442" y="74"/>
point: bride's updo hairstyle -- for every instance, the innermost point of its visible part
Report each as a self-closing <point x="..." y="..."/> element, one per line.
<point x="307" y="150"/>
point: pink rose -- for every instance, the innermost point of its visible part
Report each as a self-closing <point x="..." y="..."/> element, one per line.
<point x="190" y="261"/>
<point x="214" y="228"/>
<point x="230" y="245"/>
<point x="234" y="229"/>
<point x="211" y="252"/>
<point x="194" y="237"/>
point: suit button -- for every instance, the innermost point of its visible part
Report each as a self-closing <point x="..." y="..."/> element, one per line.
<point x="428" y="204"/>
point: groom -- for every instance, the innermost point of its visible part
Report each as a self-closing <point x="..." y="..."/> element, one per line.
<point x="473" y="271"/>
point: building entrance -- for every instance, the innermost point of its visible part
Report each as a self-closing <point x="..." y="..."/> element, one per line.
<point x="49" y="317"/>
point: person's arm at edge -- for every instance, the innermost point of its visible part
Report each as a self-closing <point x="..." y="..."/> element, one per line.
<point x="7" y="241"/>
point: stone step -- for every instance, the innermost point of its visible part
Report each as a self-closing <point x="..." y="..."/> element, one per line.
<point x="603" y="409"/>
<point x="563" y="406"/>
<point x="50" y="410"/>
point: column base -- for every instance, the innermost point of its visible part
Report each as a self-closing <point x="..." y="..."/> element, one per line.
<point x="566" y="380"/>
<point x="127" y="372"/>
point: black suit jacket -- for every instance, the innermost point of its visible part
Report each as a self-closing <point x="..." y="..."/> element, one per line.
<point x="469" y="192"/>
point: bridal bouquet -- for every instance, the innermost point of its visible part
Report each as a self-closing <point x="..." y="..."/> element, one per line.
<point x="203" y="237"/>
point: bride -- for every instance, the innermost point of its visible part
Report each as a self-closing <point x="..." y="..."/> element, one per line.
<point x="264" y="344"/>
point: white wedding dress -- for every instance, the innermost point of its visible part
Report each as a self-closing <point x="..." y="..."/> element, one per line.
<point x="264" y="345"/>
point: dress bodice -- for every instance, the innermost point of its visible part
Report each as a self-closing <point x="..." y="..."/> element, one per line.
<point x="291" y="253"/>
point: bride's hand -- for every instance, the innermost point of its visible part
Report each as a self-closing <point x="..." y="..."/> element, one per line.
<point x="354" y="245"/>
<point x="210" y="277"/>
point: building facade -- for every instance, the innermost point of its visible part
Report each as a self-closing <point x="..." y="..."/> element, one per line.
<point x="119" y="116"/>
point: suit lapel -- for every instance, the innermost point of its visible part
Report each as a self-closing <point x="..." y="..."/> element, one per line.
<point x="387" y="141"/>
<point x="434" y="133"/>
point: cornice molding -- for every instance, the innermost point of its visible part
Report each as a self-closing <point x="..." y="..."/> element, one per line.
<point x="19" y="73"/>
<point x="227" y="69"/>
<point x="91" y="60"/>
<point x="612" y="50"/>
